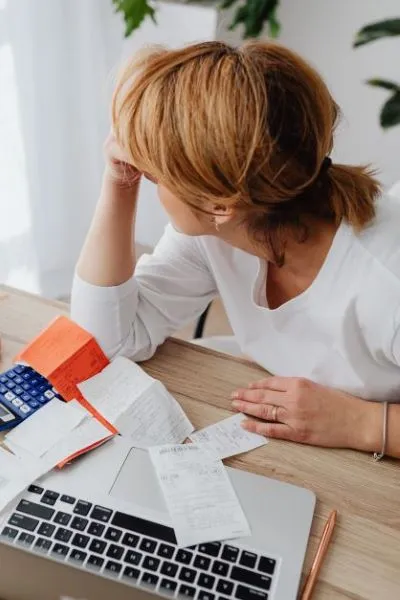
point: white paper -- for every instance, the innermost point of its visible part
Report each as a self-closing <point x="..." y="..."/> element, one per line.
<point x="17" y="474"/>
<point x="89" y="432"/>
<point x="199" y="495"/>
<point x="154" y="418"/>
<point x="139" y="406"/>
<point x="228" y="438"/>
<point x="112" y="391"/>
<point x="46" y="427"/>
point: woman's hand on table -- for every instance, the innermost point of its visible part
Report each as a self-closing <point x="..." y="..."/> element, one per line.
<point x="300" y="410"/>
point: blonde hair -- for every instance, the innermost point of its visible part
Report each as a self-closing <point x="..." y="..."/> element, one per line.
<point x="248" y="128"/>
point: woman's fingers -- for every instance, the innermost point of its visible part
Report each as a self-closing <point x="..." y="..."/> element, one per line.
<point x="259" y="396"/>
<point x="270" y="430"/>
<point x="267" y="412"/>
<point x="279" y="384"/>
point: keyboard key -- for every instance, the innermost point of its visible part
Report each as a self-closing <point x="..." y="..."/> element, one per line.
<point x="113" y="534"/>
<point x="49" y="497"/>
<point x="80" y="541"/>
<point x="184" y="556"/>
<point x="42" y="387"/>
<point x="26" y="538"/>
<point x="115" y="551"/>
<point x="18" y="390"/>
<point x="11" y="374"/>
<point x="46" y="529"/>
<point x="10" y="385"/>
<point x="220" y="568"/>
<point x="42" y="399"/>
<point x="60" y="550"/>
<point x="35" y="489"/>
<point x="251" y="578"/>
<point x="67" y="499"/>
<point x="248" y="559"/>
<point x="149" y="579"/>
<point x="20" y="368"/>
<point x="230" y="553"/>
<point x="169" y="568"/>
<point x="9" y="532"/>
<point x="166" y="551"/>
<point x="26" y="387"/>
<point x="246" y="593"/>
<point x="187" y="590"/>
<point x="82" y="508"/>
<point x="79" y="523"/>
<point x="99" y="513"/>
<point x="225" y="587"/>
<point x="148" y="545"/>
<point x="188" y="575"/>
<point x="34" y="393"/>
<point x="267" y="565"/>
<point x="95" y="562"/>
<point x="32" y="404"/>
<point x="35" y="510"/>
<point x="17" y="402"/>
<point x="113" y="567"/>
<point x="203" y="595"/>
<point x="144" y="527"/>
<point x="212" y="548"/>
<point x="97" y="546"/>
<point x="43" y="544"/>
<point x="77" y="555"/>
<point x="96" y="529"/>
<point x="23" y="522"/>
<point x="151" y="563"/>
<point x="18" y="380"/>
<point x="167" y="585"/>
<point x="202" y="562"/>
<point x="130" y="539"/>
<point x="49" y="394"/>
<point x="132" y="557"/>
<point x="131" y="573"/>
<point x="62" y="518"/>
<point x="63" y="535"/>
<point x="206" y="581"/>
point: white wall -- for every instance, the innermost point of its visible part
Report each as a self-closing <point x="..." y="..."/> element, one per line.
<point x="323" y="31"/>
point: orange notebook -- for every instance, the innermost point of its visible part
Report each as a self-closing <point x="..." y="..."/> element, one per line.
<point x="66" y="355"/>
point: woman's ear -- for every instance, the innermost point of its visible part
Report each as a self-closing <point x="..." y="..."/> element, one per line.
<point x="222" y="214"/>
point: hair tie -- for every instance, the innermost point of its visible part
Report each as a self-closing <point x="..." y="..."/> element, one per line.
<point x="326" y="163"/>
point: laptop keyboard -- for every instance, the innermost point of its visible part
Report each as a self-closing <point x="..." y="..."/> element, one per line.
<point x="136" y="550"/>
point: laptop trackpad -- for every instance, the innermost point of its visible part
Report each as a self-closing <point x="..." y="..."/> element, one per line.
<point x="136" y="482"/>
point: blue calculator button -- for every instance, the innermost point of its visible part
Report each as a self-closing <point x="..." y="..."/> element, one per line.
<point x="25" y="397"/>
<point x="42" y="399"/>
<point x="34" y="382"/>
<point x="11" y="374"/>
<point x="18" y="380"/>
<point x="10" y="385"/>
<point x="3" y="379"/>
<point x="3" y="389"/>
<point x="34" y="393"/>
<point x="27" y="375"/>
<point x="33" y="404"/>
<point x="18" y="390"/>
<point x="19" y="368"/>
<point x="42" y="387"/>
<point x="26" y="386"/>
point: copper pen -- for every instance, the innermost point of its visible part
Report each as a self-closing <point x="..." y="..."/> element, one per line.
<point x="319" y="557"/>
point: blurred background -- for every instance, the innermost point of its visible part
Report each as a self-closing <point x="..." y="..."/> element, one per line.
<point x="58" y="60"/>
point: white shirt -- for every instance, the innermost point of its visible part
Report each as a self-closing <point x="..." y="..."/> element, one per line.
<point x="343" y="331"/>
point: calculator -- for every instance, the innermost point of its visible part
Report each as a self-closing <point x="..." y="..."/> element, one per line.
<point x="22" y="392"/>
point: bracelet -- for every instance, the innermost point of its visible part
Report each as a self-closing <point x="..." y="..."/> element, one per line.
<point x="381" y="454"/>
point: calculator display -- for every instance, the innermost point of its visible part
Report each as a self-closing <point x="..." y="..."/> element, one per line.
<point x="3" y="412"/>
<point x="6" y="415"/>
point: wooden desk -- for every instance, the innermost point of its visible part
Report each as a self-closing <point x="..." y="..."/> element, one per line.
<point x="364" y="558"/>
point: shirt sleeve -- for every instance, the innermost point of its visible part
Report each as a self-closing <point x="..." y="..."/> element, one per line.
<point x="169" y="289"/>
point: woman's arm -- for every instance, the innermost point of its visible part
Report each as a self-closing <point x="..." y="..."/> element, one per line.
<point x="131" y="308"/>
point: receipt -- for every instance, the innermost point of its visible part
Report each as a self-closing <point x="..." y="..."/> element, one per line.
<point x="17" y="474"/>
<point x="139" y="406"/>
<point x="199" y="495"/>
<point x="228" y="438"/>
<point x="45" y="428"/>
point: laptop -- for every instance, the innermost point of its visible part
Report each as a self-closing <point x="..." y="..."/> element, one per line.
<point x="83" y="535"/>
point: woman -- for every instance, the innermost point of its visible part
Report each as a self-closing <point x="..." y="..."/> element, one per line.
<point x="303" y="252"/>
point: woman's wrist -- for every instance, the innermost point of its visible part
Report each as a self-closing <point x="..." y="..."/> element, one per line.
<point x="368" y="432"/>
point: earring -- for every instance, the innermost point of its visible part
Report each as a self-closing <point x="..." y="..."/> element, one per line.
<point x="215" y="223"/>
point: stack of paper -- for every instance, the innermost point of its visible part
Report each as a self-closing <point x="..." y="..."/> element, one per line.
<point x="139" y="406"/>
<point x="17" y="473"/>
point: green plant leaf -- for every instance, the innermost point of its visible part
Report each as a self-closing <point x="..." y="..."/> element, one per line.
<point x="274" y="25"/>
<point x="384" y="84"/>
<point x="254" y="14"/>
<point x="376" y="31"/>
<point x="390" y="113"/>
<point x="134" y="12"/>
<point x="226" y="4"/>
